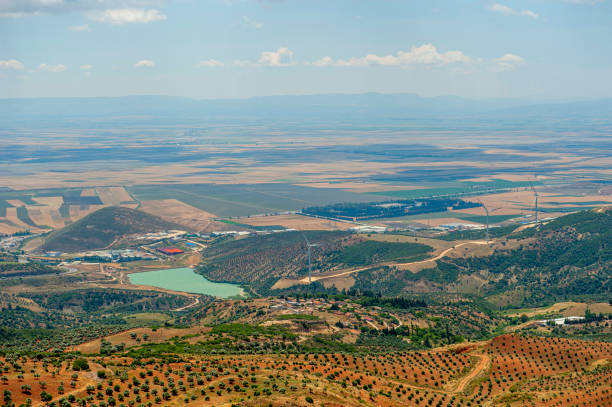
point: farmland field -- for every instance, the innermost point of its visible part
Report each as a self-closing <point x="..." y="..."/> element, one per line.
<point x="397" y="311"/>
<point x="305" y="204"/>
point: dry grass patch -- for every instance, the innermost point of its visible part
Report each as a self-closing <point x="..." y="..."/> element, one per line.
<point x="136" y="336"/>
<point x="176" y="211"/>
<point x="297" y="222"/>
<point x="113" y="195"/>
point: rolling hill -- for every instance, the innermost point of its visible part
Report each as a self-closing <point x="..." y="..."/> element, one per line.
<point x="101" y="228"/>
<point x="568" y="257"/>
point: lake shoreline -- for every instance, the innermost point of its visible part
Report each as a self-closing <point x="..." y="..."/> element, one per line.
<point x="186" y="280"/>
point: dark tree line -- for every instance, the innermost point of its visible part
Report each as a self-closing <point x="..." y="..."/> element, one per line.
<point x="387" y="209"/>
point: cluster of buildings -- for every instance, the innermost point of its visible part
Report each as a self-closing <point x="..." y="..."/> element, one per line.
<point x="560" y="321"/>
<point x="9" y="243"/>
<point x="164" y="235"/>
<point x="170" y="251"/>
<point x="113" y="256"/>
<point x="249" y="233"/>
<point x="368" y="229"/>
<point x="460" y="226"/>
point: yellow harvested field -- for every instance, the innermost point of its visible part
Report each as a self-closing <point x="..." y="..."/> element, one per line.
<point x="522" y="202"/>
<point x="11" y="215"/>
<point x="7" y="229"/>
<point x="179" y="212"/>
<point x="88" y="192"/>
<point x="51" y="201"/>
<point x="42" y="215"/>
<point x="527" y="177"/>
<point x="78" y="211"/>
<point x="297" y="222"/>
<point x="113" y="195"/>
<point x="15" y="202"/>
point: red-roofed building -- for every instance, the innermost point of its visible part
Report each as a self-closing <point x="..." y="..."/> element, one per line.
<point x="170" y="251"/>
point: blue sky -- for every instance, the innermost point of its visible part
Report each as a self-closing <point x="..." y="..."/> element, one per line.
<point x="532" y="49"/>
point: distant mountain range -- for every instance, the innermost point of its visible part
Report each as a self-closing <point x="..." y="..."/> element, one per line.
<point x="363" y="107"/>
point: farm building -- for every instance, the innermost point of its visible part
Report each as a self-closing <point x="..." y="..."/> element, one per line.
<point x="170" y="251"/>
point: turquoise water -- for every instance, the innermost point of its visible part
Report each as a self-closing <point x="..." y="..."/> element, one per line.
<point x="185" y="279"/>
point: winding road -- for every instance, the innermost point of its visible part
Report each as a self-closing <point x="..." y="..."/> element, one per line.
<point x="443" y="253"/>
<point x="438" y="257"/>
<point x="193" y="304"/>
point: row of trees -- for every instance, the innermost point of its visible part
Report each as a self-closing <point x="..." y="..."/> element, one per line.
<point x="387" y="209"/>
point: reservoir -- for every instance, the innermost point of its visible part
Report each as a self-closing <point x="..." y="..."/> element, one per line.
<point x="185" y="279"/>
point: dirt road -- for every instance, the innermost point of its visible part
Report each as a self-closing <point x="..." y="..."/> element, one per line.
<point x="480" y="367"/>
<point x="344" y="273"/>
<point x="438" y="257"/>
<point x="193" y="304"/>
<point x="443" y="253"/>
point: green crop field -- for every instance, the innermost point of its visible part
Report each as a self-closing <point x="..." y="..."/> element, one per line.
<point x="22" y="214"/>
<point x="456" y="188"/>
<point x="3" y="206"/>
<point x="244" y="200"/>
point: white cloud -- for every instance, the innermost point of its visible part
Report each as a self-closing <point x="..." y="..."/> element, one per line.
<point x="86" y="67"/>
<point x="145" y="63"/>
<point x="11" y="64"/>
<point x="508" y="11"/>
<point x="20" y="8"/>
<point x="529" y="13"/>
<point x="242" y="63"/>
<point x="128" y="15"/>
<point x="248" y="23"/>
<point x="51" y="68"/>
<point x="325" y="61"/>
<point x="84" y="27"/>
<point x="426" y="54"/>
<point x="508" y="62"/>
<point x="500" y="8"/>
<point x="281" y="57"/>
<point x="209" y="63"/>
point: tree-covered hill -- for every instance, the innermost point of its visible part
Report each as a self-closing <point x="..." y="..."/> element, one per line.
<point x="568" y="257"/>
<point x="260" y="261"/>
<point x="101" y="228"/>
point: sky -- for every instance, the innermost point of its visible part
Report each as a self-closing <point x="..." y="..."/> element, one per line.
<point x="528" y="49"/>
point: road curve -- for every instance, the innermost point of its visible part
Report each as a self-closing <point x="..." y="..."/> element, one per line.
<point x="443" y="253"/>
<point x="193" y="304"/>
<point x="438" y="257"/>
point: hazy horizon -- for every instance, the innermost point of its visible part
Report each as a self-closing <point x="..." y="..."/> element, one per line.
<point x="521" y="100"/>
